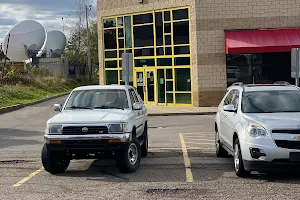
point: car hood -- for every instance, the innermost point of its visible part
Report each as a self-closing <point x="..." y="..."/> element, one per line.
<point x="275" y="120"/>
<point x="89" y="116"/>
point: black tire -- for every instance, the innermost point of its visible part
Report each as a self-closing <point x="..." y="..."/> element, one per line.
<point x="144" y="147"/>
<point x="220" y="151"/>
<point x="124" y="162"/>
<point x="238" y="161"/>
<point x="54" y="162"/>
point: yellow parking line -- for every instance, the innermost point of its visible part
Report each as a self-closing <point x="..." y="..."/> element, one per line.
<point x="201" y="139"/>
<point x="187" y="162"/>
<point x="28" y="177"/>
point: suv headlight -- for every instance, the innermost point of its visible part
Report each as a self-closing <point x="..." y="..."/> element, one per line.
<point x="118" y="128"/>
<point x="55" y="129"/>
<point x="256" y="130"/>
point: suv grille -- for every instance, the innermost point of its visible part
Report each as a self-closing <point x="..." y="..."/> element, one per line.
<point x="288" y="144"/>
<point x="80" y="130"/>
<point x="287" y="131"/>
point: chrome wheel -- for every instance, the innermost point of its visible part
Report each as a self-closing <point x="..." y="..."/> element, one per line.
<point x="132" y="153"/>
<point x="236" y="157"/>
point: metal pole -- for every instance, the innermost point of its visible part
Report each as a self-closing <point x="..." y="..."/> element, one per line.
<point x="297" y="67"/>
<point x="5" y="57"/>
<point x="63" y="24"/>
<point x="88" y="43"/>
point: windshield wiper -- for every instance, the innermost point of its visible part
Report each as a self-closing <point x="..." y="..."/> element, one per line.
<point x="107" y="107"/>
<point x="79" y="107"/>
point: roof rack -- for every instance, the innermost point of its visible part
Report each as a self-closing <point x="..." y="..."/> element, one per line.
<point x="238" y="84"/>
<point x="282" y="83"/>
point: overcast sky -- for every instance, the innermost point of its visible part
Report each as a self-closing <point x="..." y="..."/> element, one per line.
<point x="48" y="12"/>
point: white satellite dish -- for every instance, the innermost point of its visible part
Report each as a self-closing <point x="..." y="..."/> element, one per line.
<point x="55" y="44"/>
<point x="25" y="38"/>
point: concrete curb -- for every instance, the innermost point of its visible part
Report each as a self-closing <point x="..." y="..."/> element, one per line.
<point x="180" y="114"/>
<point x="19" y="106"/>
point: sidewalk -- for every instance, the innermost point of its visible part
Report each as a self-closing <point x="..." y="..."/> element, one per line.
<point x="154" y="110"/>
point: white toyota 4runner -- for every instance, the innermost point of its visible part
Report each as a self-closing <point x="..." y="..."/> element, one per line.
<point x="260" y="126"/>
<point x="96" y="122"/>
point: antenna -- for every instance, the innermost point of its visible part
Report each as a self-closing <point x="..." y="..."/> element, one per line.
<point x="63" y="24"/>
<point x="253" y="82"/>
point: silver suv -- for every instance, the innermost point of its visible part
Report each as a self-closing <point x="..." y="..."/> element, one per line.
<point x="259" y="124"/>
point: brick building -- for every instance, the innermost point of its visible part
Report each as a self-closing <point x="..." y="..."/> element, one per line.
<point x="186" y="52"/>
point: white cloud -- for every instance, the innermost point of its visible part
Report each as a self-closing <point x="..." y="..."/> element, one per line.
<point x="49" y="13"/>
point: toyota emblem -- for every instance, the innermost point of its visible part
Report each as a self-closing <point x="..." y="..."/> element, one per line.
<point x="85" y="129"/>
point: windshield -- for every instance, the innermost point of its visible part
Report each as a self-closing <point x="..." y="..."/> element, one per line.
<point x="271" y="101"/>
<point x="98" y="99"/>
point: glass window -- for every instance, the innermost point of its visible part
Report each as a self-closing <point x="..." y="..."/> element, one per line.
<point x="144" y="62"/>
<point x="111" y="64"/>
<point x="120" y="64"/>
<point x="167" y="27"/>
<point x="164" y="61"/>
<point x="168" y="50"/>
<point x="161" y="85"/>
<point x="169" y="86"/>
<point x="109" y="23"/>
<point x="276" y="101"/>
<point x="121" y="43"/>
<point x="143" y="36"/>
<point x="110" y="54"/>
<point x="144" y="52"/>
<point x="143" y="18"/>
<point x="128" y="33"/>
<point x="120" y="32"/>
<point x="183" y="98"/>
<point x="120" y="21"/>
<point x="111" y="77"/>
<point x="180" y="14"/>
<point x="183" y="79"/>
<point x="160" y="51"/>
<point x="169" y="74"/>
<point x="170" y="98"/>
<point x="167" y="16"/>
<point x="120" y="53"/>
<point x="181" y="32"/>
<point x="168" y="40"/>
<point x="159" y="29"/>
<point x="158" y="18"/>
<point x="110" y="39"/>
<point x="129" y="51"/>
<point x="181" y="50"/>
<point x="182" y="61"/>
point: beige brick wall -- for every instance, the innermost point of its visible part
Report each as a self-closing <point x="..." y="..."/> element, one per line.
<point x="215" y="16"/>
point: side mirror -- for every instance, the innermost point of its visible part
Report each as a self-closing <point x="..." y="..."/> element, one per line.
<point x="229" y="108"/>
<point x="138" y="106"/>
<point x="57" y="107"/>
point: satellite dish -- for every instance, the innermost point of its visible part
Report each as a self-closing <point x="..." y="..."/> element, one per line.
<point x="26" y="39"/>
<point x="55" y="44"/>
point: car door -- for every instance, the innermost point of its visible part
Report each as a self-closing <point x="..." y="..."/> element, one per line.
<point x="224" y="124"/>
<point x="138" y="114"/>
<point x="232" y="118"/>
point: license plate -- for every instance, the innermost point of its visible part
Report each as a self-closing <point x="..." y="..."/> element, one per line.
<point x="295" y="156"/>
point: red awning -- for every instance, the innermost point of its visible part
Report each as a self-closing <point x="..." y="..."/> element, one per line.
<point x="259" y="41"/>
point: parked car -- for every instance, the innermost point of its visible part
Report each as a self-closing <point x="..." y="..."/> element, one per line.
<point x="259" y="125"/>
<point x="95" y="122"/>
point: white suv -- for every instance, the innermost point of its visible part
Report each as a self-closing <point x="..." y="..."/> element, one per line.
<point x="260" y="126"/>
<point x="96" y="122"/>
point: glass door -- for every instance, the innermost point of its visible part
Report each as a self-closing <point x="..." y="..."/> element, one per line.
<point x="145" y="80"/>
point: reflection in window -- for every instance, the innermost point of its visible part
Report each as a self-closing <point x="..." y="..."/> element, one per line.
<point x="110" y="39"/>
<point x="143" y="18"/>
<point x="159" y="29"/>
<point x="144" y="52"/>
<point x="111" y="77"/>
<point x="181" y="50"/>
<point x="170" y="98"/>
<point x="181" y="32"/>
<point x="183" y="79"/>
<point x="164" y="61"/>
<point x="120" y="32"/>
<point x="121" y="43"/>
<point x="184" y="98"/>
<point x="111" y="64"/>
<point x="144" y="62"/>
<point x="110" y="54"/>
<point x="120" y="53"/>
<point x="161" y="85"/>
<point x="128" y="37"/>
<point x="180" y="14"/>
<point x="120" y="21"/>
<point x="109" y="23"/>
<point x="143" y="36"/>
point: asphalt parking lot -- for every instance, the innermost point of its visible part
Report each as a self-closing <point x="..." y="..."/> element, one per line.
<point x="181" y="165"/>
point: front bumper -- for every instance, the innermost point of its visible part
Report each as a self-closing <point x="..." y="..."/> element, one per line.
<point x="92" y="143"/>
<point x="274" y="166"/>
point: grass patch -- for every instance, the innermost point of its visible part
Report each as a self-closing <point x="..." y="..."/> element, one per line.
<point x="21" y="89"/>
